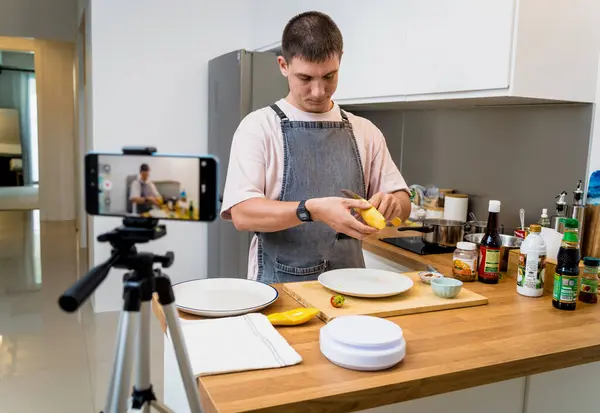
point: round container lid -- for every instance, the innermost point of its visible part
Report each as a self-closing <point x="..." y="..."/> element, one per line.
<point x="535" y="228"/>
<point x="457" y="196"/>
<point x="464" y="245"/>
<point x="494" y="206"/>
<point x="591" y="261"/>
<point x="364" y="331"/>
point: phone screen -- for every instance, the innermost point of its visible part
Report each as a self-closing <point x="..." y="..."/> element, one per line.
<point x="152" y="186"/>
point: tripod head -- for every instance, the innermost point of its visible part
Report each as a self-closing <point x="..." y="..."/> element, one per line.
<point x="124" y="255"/>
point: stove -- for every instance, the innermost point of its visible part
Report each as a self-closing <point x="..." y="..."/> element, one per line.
<point x="416" y="245"/>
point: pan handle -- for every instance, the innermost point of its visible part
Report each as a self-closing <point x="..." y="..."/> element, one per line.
<point x="424" y="229"/>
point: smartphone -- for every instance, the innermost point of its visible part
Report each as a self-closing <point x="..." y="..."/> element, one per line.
<point x="174" y="187"/>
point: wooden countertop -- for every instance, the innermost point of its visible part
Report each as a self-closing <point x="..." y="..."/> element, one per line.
<point x="513" y="336"/>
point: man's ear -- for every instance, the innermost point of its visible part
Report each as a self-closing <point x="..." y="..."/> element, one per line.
<point x="283" y="66"/>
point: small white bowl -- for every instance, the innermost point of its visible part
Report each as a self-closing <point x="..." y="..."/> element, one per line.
<point x="446" y="287"/>
<point x="426" y="276"/>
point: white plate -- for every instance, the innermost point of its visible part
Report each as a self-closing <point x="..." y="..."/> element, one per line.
<point x="363" y="282"/>
<point x="223" y="297"/>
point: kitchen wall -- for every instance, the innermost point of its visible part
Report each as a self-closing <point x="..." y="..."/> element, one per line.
<point x="41" y="19"/>
<point x="521" y="155"/>
<point x="149" y="61"/>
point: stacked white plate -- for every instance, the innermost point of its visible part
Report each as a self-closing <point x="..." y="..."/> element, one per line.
<point x="223" y="297"/>
<point x="359" y="342"/>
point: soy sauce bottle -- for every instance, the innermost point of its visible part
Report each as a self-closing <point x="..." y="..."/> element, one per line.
<point x="566" y="277"/>
<point x="489" y="247"/>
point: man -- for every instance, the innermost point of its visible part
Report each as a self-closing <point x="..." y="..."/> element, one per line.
<point x="289" y="162"/>
<point x="143" y="193"/>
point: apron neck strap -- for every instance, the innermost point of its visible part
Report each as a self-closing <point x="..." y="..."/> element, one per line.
<point x="280" y="113"/>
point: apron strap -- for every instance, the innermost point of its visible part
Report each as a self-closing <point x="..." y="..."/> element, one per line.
<point x="345" y="119"/>
<point x="280" y="113"/>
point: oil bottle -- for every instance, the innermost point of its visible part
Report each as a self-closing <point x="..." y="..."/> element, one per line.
<point x="566" y="277"/>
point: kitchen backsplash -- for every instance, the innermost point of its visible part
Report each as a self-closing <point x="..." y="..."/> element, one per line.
<point x="521" y="155"/>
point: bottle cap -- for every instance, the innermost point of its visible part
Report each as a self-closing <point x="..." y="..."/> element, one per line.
<point x="591" y="261"/>
<point x="571" y="223"/>
<point x="535" y="228"/>
<point x="464" y="245"/>
<point x="545" y="213"/>
<point x="494" y="206"/>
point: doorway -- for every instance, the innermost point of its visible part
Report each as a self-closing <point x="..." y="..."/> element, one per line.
<point x="19" y="154"/>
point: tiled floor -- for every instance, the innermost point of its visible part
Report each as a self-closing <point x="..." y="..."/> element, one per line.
<point x="50" y="361"/>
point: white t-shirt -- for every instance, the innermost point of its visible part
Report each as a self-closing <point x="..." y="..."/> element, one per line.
<point x="256" y="161"/>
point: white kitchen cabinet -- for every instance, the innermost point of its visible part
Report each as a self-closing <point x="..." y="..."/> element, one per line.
<point x="496" y="51"/>
<point x="374" y="261"/>
<point x="457" y="45"/>
<point x="572" y="389"/>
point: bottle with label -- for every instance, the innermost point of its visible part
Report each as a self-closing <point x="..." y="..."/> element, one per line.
<point x="566" y="277"/>
<point x="489" y="248"/>
<point x="464" y="262"/>
<point x="588" y="292"/>
<point x="191" y="210"/>
<point x="544" y="219"/>
<point x="532" y="264"/>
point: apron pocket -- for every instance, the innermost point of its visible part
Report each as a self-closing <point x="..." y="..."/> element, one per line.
<point x="287" y="270"/>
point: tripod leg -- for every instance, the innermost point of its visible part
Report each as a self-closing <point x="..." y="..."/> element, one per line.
<point x="160" y="407"/>
<point x="142" y="377"/>
<point x="121" y="374"/>
<point x="142" y="390"/>
<point x="167" y="300"/>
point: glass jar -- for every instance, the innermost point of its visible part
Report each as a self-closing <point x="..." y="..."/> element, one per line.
<point x="588" y="288"/>
<point x="464" y="262"/>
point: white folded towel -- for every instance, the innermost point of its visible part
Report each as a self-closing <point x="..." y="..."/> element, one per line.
<point x="228" y="345"/>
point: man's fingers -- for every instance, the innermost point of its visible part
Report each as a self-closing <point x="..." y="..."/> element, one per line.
<point x="357" y="203"/>
<point x="360" y="227"/>
<point x="376" y="200"/>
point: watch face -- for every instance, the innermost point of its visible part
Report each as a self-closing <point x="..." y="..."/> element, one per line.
<point x="303" y="216"/>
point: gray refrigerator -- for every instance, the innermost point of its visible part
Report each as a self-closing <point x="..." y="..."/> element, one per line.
<point x="239" y="83"/>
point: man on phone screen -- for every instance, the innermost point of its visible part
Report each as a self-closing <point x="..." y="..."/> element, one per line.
<point x="143" y="193"/>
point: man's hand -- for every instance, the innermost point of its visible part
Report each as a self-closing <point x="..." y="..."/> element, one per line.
<point x="390" y="205"/>
<point x="152" y="200"/>
<point x="336" y="212"/>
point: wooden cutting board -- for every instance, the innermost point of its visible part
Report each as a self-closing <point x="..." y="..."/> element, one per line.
<point x="419" y="299"/>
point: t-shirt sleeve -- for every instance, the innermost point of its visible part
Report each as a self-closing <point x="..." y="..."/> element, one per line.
<point x="246" y="173"/>
<point x="385" y="176"/>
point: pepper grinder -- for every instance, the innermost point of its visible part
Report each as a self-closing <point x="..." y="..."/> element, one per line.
<point x="577" y="210"/>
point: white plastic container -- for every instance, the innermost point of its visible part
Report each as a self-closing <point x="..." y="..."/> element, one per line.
<point x="532" y="264"/>
<point x="455" y="207"/>
<point x="364" y="343"/>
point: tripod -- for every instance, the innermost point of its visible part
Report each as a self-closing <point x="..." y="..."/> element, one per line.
<point x="134" y="323"/>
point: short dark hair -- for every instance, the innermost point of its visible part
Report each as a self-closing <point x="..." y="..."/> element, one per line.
<point x="313" y="36"/>
<point x="144" y="167"/>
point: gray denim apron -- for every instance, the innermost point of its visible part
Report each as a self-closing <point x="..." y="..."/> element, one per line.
<point x="146" y="206"/>
<point x="320" y="158"/>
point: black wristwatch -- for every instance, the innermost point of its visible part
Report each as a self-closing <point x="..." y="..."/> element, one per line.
<point x="302" y="213"/>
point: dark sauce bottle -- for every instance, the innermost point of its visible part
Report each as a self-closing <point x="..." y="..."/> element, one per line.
<point x="566" y="277"/>
<point x="489" y="248"/>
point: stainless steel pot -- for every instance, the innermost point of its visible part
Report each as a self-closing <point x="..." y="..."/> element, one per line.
<point x="478" y="227"/>
<point x="475" y="227"/>
<point x="508" y="243"/>
<point x="439" y="231"/>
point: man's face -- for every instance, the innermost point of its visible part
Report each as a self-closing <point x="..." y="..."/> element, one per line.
<point x="145" y="175"/>
<point x="311" y="84"/>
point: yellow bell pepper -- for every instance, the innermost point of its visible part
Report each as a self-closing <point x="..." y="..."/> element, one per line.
<point x="293" y="317"/>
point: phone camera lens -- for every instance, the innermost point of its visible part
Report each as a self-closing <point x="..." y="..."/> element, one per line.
<point x="203" y="164"/>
